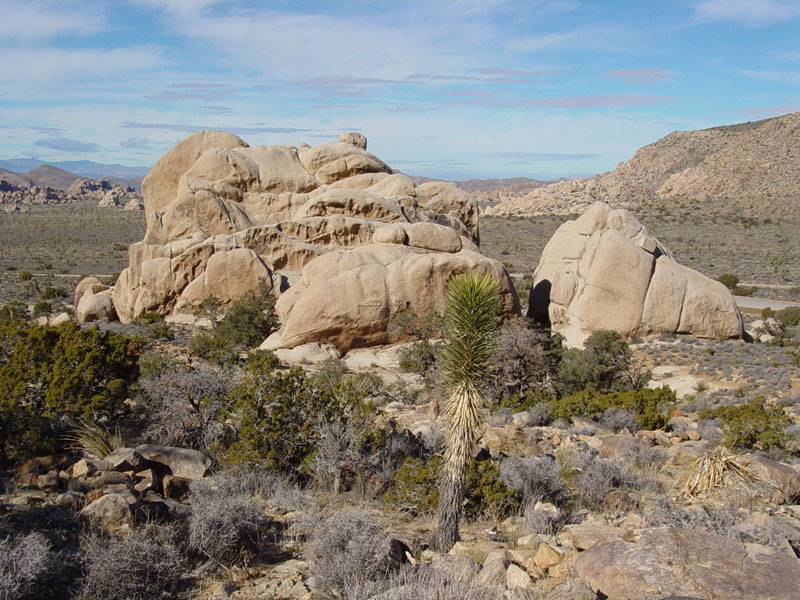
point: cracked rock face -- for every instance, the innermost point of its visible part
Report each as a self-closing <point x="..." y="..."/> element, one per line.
<point x="605" y="271"/>
<point x="223" y="216"/>
<point x="678" y="562"/>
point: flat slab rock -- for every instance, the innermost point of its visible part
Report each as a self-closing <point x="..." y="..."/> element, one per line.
<point x="670" y="561"/>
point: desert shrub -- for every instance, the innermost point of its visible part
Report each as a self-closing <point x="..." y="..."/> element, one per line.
<point x="790" y="317"/>
<point x="647" y="405"/>
<point x="599" y="476"/>
<point x="723" y="520"/>
<point x="744" y="290"/>
<point x="145" y="565"/>
<point x="752" y="425"/>
<point x="250" y="319"/>
<point x="52" y="375"/>
<point x="186" y="406"/>
<point x="226" y="521"/>
<point x="148" y="318"/>
<point x="419" y="357"/>
<point x="606" y="364"/>
<point x="277" y="412"/>
<point x="617" y="419"/>
<point x="248" y="322"/>
<point x="42" y="307"/>
<point x="415" y="489"/>
<point x="527" y="401"/>
<point x="729" y="280"/>
<point x="13" y="311"/>
<point x="344" y="552"/>
<point x="543" y="520"/>
<point x="485" y="494"/>
<point x="540" y="414"/>
<point x="442" y="581"/>
<point x="536" y="478"/>
<point x="25" y="276"/>
<point x="160" y="331"/>
<point x="525" y="358"/>
<point x="50" y="293"/>
<point x="25" y="562"/>
<point x="213" y="349"/>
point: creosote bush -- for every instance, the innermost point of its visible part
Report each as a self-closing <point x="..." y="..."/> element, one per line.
<point x="52" y="376"/>
<point x="248" y="322"/>
<point x="606" y="364"/>
<point x="279" y="413"/>
<point x="647" y="405"/>
<point x="414" y="489"/>
<point x="752" y="425"/>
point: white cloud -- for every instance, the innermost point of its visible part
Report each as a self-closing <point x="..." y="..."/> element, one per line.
<point x="790" y="77"/>
<point x="56" y="64"/>
<point x="589" y="37"/>
<point x="28" y="21"/>
<point x="746" y="12"/>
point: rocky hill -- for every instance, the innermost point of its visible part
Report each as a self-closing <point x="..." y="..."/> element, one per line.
<point x="751" y="168"/>
<point x="47" y="184"/>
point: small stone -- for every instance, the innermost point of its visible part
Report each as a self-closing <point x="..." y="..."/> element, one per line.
<point x="546" y="557"/>
<point x="515" y="576"/>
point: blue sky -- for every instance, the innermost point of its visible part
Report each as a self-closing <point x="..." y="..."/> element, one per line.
<point x="449" y="88"/>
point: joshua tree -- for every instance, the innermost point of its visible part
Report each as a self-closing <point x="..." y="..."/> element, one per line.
<point x="471" y="312"/>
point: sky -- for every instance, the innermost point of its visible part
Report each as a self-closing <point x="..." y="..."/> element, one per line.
<point x="442" y="88"/>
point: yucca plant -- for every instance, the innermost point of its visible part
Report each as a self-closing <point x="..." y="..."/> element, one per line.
<point x="471" y="315"/>
<point x="719" y="470"/>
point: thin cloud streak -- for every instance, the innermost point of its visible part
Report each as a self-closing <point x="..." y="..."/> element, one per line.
<point x="67" y="145"/>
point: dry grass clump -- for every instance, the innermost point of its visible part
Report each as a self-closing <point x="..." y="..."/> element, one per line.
<point x="93" y="440"/>
<point x="720" y="470"/>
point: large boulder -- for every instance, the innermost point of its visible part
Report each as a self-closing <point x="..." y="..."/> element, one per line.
<point x="160" y="185"/>
<point x="347" y="298"/>
<point x="223" y="216"/>
<point x="604" y="270"/>
<point x="689" y="563"/>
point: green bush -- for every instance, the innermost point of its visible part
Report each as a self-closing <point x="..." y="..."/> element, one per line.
<point x="25" y="276"/>
<point x="744" y="290"/>
<point x="12" y="311"/>
<point x="51" y="375"/>
<point x="419" y="357"/>
<point x="752" y="425"/>
<point x="605" y="364"/>
<point x="415" y="489"/>
<point x="42" y="307"/>
<point x="648" y="405"/>
<point x="729" y="280"/>
<point x="148" y="318"/>
<point x="248" y="322"/>
<point x="278" y="411"/>
<point x="53" y="292"/>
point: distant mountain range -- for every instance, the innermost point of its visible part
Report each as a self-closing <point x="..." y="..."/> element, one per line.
<point x="83" y="168"/>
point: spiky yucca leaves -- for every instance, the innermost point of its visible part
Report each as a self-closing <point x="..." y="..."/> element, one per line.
<point x="719" y="470"/>
<point x="471" y="314"/>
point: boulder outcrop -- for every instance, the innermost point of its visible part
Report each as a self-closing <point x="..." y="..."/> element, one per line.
<point x="223" y="216"/>
<point x="604" y="270"/>
<point x="347" y="298"/>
